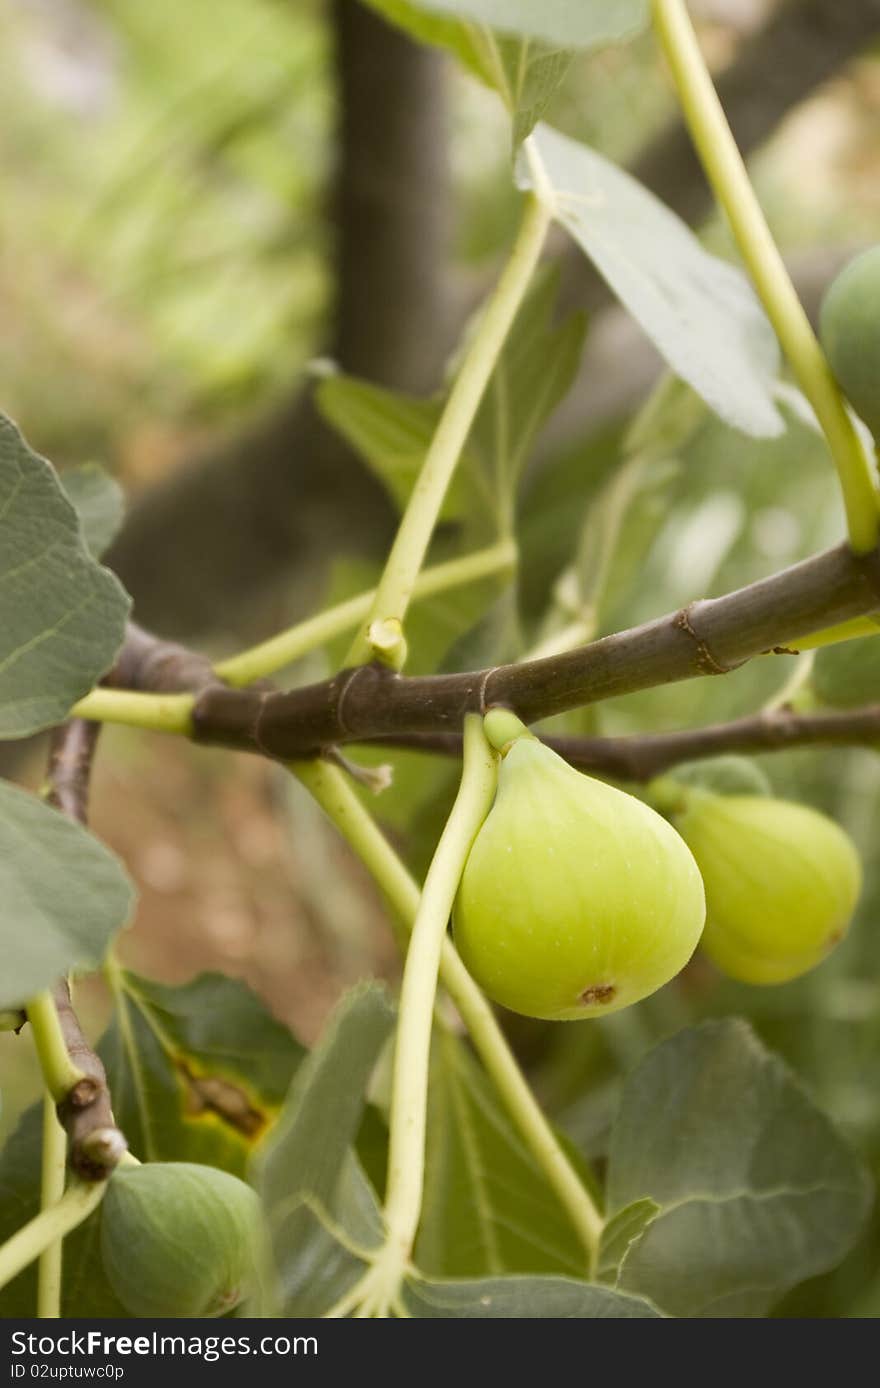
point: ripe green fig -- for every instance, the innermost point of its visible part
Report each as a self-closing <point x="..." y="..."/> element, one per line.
<point x="576" y="899"/>
<point x="178" y="1239"/>
<point x="782" y="881"/>
<point x="849" y="326"/>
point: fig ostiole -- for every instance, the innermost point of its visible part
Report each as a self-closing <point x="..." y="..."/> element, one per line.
<point x="782" y="882"/>
<point x="179" y="1239"/>
<point x="576" y="899"/>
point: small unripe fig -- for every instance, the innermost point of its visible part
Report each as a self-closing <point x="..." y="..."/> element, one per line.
<point x="726" y="775"/>
<point x="179" y="1239"/>
<point x="849" y="326"/>
<point x="576" y="899"/>
<point x="848" y="674"/>
<point x="782" y="881"/>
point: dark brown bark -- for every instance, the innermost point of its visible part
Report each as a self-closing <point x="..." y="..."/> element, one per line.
<point x="709" y="637"/>
<point x="95" y="1144"/>
<point x="642" y="756"/>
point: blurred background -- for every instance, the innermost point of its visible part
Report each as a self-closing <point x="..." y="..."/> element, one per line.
<point x="205" y="204"/>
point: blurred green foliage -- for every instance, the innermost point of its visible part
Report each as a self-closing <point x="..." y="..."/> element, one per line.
<point x="162" y="244"/>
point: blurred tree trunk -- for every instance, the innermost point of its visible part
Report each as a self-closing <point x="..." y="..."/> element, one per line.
<point x="202" y="548"/>
<point x="206" y="546"/>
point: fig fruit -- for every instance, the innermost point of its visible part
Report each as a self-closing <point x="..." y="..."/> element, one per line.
<point x="848" y="674"/>
<point x="782" y="881"/>
<point x="849" y="327"/>
<point x="179" y="1239"/>
<point x="576" y="899"/>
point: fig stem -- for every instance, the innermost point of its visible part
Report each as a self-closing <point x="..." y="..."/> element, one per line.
<point x="49" y="1226"/>
<point x="339" y="801"/>
<point x="412" y="1048"/>
<point x="282" y="650"/>
<point x="502" y="727"/>
<point x="727" y="174"/>
<point x="59" y="1072"/>
<point x="161" y="713"/>
<point x="53" y="1173"/>
<point x="407" y="554"/>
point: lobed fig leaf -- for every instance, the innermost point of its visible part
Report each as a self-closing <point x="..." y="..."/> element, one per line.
<point x="849" y="326"/>
<point x="178" y="1239"/>
<point x="782" y="882"/>
<point x="576" y="899"/>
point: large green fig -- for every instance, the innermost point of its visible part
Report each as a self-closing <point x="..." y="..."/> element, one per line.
<point x="179" y="1239"/>
<point x="576" y="899"/>
<point x="782" y="881"/>
<point x="850" y="332"/>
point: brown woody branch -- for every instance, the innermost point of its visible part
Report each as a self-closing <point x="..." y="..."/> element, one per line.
<point x="709" y="637"/>
<point x="163" y="667"/>
<point x="95" y="1143"/>
<point x="642" y="756"/>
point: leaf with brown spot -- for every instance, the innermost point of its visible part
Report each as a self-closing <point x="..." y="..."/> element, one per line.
<point x="197" y="1072"/>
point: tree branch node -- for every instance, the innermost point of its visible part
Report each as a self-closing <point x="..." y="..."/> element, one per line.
<point x="706" y="662"/>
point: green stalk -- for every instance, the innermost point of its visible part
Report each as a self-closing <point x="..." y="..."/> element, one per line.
<point x="727" y="174"/>
<point x="339" y="801"/>
<point x="49" y="1226"/>
<point x="283" y="649"/>
<point x="60" y="1075"/>
<point x="844" y="631"/>
<point x="52" y="1179"/>
<point x="161" y="713"/>
<point x="381" y="635"/>
<point x="412" y="1049"/>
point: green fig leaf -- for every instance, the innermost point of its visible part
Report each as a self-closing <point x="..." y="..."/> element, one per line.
<point x="569" y="23"/>
<point x="523" y="1298"/>
<point x="198" y="1071"/>
<point x="63" y="896"/>
<point x="62" y="616"/>
<point x="756" y="1190"/>
<point x="99" y="503"/>
<point x="520" y="49"/>
<point x="700" y="312"/>
<point x="391" y="431"/>
<point x="487" y="1208"/>
<point x="308" y="1164"/>
<point x="620" y="1233"/>
<point x="322" y="1266"/>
